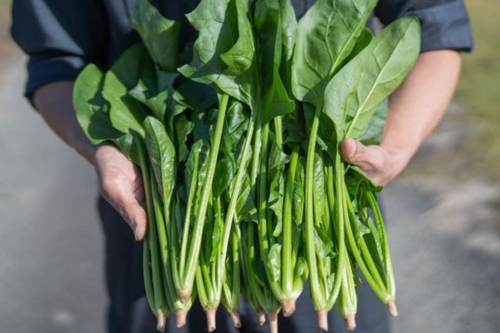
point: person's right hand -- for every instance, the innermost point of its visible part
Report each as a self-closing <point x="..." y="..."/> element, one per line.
<point x="121" y="185"/>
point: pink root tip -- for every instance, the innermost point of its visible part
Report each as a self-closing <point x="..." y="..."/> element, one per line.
<point x="261" y="317"/>
<point x="161" y="322"/>
<point x="235" y="317"/>
<point x="350" y="321"/>
<point x="211" y="320"/>
<point x="323" y="320"/>
<point x="273" y="321"/>
<point x="288" y="308"/>
<point x="392" y="309"/>
<point x="180" y="318"/>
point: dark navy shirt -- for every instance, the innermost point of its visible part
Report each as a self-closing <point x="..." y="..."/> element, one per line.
<point x="62" y="36"/>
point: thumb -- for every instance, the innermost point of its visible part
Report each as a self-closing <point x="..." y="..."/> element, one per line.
<point x="126" y="204"/>
<point x="354" y="152"/>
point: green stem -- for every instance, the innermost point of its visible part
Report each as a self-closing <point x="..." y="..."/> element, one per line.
<point x="372" y="268"/>
<point x="200" y="284"/>
<point x="340" y="219"/>
<point x="287" y="267"/>
<point x="187" y="220"/>
<point x="174" y="241"/>
<point x="316" y="292"/>
<point x="156" y="268"/>
<point x="263" y="224"/>
<point x="188" y="274"/>
<point x="148" y="287"/>
<point x="391" y="285"/>
<point x="377" y="288"/>
<point x="231" y="212"/>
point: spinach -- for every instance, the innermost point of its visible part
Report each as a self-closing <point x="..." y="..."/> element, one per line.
<point x="246" y="191"/>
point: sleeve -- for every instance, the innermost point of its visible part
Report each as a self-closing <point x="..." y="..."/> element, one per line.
<point x="60" y="38"/>
<point x="445" y="23"/>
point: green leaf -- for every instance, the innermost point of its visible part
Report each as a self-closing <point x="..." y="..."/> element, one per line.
<point x="360" y="229"/>
<point x="216" y="236"/>
<point x="299" y="193"/>
<point x="357" y="90"/>
<point x="288" y="21"/>
<point x="183" y="127"/>
<point x="276" y="101"/>
<point x="235" y="117"/>
<point x="159" y="34"/>
<point x="374" y="242"/>
<point x="235" y="128"/>
<point x="224" y="173"/>
<point x="195" y="96"/>
<point x="155" y="89"/>
<point x="245" y="208"/>
<point x="192" y="163"/>
<point x="91" y="107"/>
<point x="327" y="34"/>
<point x="162" y="155"/>
<point x="126" y="113"/>
<point x="300" y="274"/>
<point x="224" y="49"/>
<point x="277" y="161"/>
<point x="323" y="243"/>
<point x="274" y="262"/>
<point x="319" y="195"/>
<point x="373" y="133"/>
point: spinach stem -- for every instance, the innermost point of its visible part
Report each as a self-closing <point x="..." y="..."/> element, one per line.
<point x="287" y="267"/>
<point x="189" y="272"/>
<point x="316" y="293"/>
<point x="187" y="220"/>
<point x="160" y="307"/>
<point x="231" y="212"/>
<point x="391" y="285"/>
<point x="146" y="262"/>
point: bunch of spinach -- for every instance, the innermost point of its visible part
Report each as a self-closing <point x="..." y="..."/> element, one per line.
<point x="337" y="59"/>
<point x="245" y="188"/>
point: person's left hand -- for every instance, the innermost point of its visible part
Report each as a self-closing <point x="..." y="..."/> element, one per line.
<point x="379" y="163"/>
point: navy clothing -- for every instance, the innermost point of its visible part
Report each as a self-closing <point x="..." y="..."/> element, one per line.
<point x="62" y="36"/>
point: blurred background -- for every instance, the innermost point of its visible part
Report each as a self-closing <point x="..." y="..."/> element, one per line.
<point x="443" y="212"/>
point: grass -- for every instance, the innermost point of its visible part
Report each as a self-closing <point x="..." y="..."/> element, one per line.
<point x="479" y="88"/>
<point x="475" y="149"/>
<point x="7" y="46"/>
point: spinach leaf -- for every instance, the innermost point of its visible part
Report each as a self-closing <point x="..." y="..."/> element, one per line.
<point x="126" y="113"/>
<point x="92" y="110"/>
<point x="327" y="34"/>
<point x="159" y="34"/>
<point x="354" y="94"/>
<point x="162" y="156"/>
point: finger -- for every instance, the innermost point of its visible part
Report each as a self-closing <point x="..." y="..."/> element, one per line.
<point x="126" y="204"/>
<point x="354" y="152"/>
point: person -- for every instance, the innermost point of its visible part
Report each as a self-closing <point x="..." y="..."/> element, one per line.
<point x="62" y="36"/>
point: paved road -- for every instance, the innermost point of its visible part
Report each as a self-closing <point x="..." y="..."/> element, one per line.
<point x="51" y="279"/>
<point x="445" y="238"/>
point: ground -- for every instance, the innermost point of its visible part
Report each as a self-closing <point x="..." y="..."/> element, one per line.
<point x="442" y="217"/>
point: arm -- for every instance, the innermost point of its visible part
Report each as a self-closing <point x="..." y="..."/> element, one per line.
<point x="61" y="37"/>
<point x="414" y="111"/>
<point x="119" y="179"/>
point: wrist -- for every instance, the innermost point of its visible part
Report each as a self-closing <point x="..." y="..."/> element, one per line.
<point x="85" y="148"/>
<point x="399" y="155"/>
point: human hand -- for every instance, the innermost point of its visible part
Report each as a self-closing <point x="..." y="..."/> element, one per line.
<point x="380" y="163"/>
<point x="121" y="185"/>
